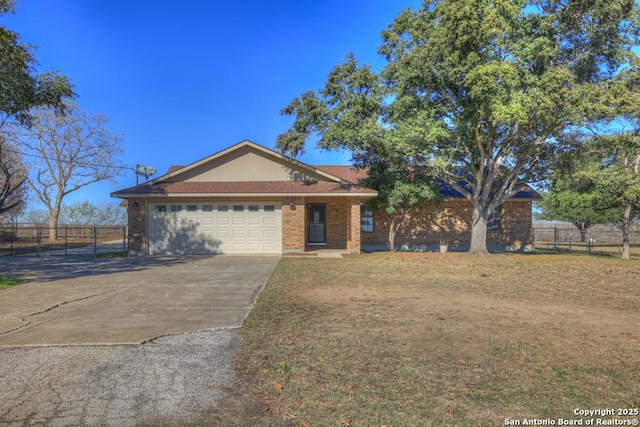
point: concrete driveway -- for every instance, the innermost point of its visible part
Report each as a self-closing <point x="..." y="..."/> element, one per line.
<point x="82" y="301"/>
<point x="166" y="330"/>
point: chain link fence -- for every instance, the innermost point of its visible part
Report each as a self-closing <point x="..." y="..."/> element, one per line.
<point x="594" y="241"/>
<point x="17" y="239"/>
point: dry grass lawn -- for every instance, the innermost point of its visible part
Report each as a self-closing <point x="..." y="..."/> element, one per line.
<point x="422" y="339"/>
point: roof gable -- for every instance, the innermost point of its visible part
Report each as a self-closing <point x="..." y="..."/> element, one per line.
<point x="248" y="169"/>
<point x="246" y="162"/>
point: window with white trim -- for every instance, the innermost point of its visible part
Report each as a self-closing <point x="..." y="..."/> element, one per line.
<point x="366" y="220"/>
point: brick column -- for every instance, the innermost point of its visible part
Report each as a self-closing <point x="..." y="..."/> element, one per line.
<point x="353" y="222"/>
<point x="137" y="226"/>
<point x="293" y="229"/>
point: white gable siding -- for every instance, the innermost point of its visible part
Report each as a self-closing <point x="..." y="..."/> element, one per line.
<point x="246" y="164"/>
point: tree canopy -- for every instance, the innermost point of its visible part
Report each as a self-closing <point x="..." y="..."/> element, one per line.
<point x="22" y="88"/>
<point x="479" y="93"/>
<point x="575" y="195"/>
<point x="68" y="152"/>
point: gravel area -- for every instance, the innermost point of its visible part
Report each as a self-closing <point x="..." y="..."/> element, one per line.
<point x="171" y="380"/>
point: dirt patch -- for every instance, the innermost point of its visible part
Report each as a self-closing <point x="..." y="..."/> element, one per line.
<point x="468" y="325"/>
<point x="435" y="339"/>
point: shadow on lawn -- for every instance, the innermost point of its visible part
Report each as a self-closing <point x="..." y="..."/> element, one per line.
<point x="50" y="268"/>
<point x="564" y="252"/>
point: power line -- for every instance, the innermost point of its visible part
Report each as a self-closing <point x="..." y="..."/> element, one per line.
<point x="97" y="165"/>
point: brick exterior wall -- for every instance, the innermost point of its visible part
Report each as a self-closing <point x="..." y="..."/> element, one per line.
<point x="450" y="223"/>
<point x="353" y="223"/>
<point x="342" y="224"/>
<point x="136" y="226"/>
<point x="516" y="223"/>
<point x="293" y="225"/>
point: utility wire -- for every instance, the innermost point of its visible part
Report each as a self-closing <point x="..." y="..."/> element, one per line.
<point x="69" y="161"/>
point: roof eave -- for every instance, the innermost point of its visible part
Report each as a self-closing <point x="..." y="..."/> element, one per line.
<point x="276" y="194"/>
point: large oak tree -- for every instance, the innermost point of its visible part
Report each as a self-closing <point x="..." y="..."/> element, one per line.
<point x="480" y="93"/>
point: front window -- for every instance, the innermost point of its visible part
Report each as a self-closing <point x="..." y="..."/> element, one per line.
<point x="366" y="220"/>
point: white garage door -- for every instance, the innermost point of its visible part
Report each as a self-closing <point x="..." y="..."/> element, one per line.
<point x="217" y="227"/>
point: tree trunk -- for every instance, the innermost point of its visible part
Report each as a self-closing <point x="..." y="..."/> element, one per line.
<point x="583" y="234"/>
<point x="393" y="228"/>
<point x="479" y="231"/>
<point x="53" y="224"/>
<point x="625" y="227"/>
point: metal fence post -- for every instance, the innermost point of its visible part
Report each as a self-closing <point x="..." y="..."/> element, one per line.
<point x="65" y="240"/>
<point x="556" y="236"/>
<point x="124" y="241"/>
<point x="38" y="239"/>
<point x="588" y="240"/>
<point x="95" y="241"/>
<point x="533" y="239"/>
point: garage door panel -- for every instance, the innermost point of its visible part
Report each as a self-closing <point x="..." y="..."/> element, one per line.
<point x="268" y="247"/>
<point x="268" y="221"/>
<point x="251" y="229"/>
<point x="238" y="247"/>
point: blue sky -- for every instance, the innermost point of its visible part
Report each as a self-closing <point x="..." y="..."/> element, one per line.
<point x="181" y="81"/>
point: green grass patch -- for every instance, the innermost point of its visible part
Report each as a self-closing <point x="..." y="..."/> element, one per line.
<point x="7" y="282"/>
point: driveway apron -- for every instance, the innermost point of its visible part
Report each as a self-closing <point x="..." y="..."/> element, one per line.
<point x="124" y="301"/>
<point x="185" y="312"/>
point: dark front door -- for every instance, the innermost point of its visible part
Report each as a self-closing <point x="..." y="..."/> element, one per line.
<point x="316" y="224"/>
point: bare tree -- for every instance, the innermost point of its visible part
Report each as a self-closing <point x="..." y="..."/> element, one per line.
<point x="66" y="153"/>
<point x="12" y="180"/>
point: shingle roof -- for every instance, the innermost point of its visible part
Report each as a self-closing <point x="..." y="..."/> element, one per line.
<point x="173" y="169"/>
<point x="348" y="173"/>
<point x="244" y="187"/>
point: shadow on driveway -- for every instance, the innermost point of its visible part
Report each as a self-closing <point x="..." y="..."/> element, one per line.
<point x="52" y="268"/>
